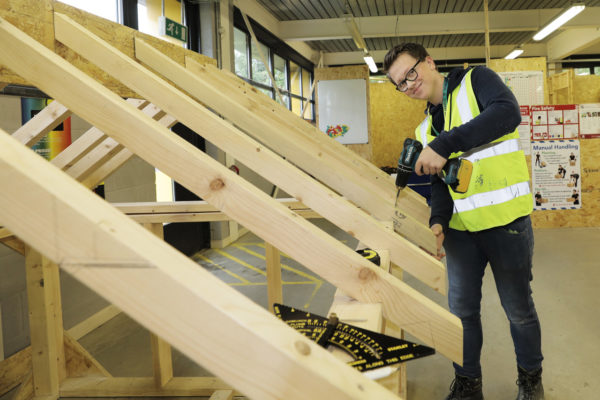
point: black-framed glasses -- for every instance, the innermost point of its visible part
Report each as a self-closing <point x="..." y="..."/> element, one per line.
<point x="411" y="76"/>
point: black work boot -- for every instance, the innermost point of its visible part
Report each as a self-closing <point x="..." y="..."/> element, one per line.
<point x="465" y="388"/>
<point x="530" y="385"/>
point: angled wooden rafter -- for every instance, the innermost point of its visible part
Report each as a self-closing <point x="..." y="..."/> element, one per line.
<point x="260" y="159"/>
<point x="270" y="220"/>
<point x="101" y="247"/>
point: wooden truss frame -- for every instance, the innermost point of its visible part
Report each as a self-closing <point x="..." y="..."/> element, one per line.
<point x="82" y="234"/>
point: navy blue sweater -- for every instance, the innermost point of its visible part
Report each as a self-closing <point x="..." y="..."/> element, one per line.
<point x="499" y="115"/>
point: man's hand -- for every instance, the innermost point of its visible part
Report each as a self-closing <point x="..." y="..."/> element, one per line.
<point x="429" y="162"/>
<point x="438" y="231"/>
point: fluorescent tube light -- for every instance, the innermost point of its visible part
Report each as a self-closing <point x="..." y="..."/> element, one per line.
<point x="514" y="54"/>
<point x="371" y="63"/>
<point x="559" y="21"/>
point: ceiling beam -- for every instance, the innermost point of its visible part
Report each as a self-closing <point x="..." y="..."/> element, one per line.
<point x="430" y="24"/>
<point x="258" y="13"/>
<point x="438" y="54"/>
<point x="572" y="41"/>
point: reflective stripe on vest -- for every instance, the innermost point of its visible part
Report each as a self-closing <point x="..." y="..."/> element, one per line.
<point x="490" y="198"/>
<point x="499" y="189"/>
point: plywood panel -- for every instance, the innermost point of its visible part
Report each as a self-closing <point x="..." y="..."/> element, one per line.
<point x="350" y="72"/>
<point x="394" y="117"/>
<point x="35" y="17"/>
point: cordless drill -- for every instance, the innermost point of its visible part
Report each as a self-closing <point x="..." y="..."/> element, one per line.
<point x="456" y="173"/>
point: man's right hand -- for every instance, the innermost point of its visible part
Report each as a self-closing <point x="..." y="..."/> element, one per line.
<point x="438" y="232"/>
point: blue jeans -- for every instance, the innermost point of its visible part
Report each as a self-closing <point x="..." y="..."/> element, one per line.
<point x="509" y="251"/>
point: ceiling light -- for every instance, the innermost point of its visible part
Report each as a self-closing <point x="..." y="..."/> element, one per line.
<point x="559" y="21"/>
<point x="371" y="63"/>
<point x="514" y="54"/>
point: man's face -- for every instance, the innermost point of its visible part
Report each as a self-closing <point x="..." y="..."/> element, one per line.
<point x="422" y="87"/>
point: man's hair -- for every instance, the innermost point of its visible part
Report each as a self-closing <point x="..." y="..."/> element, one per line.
<point x="414" y="49"/>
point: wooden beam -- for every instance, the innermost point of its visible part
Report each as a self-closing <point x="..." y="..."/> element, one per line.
<point x="14" y="369"/>
<point x="26" y="390"/>
<point x="164" y="290"/>
<point x="273" y="268"/>
<point x="93" y="322"/>
<point x="162" y="360"/>
<point x="218" y="185"/>
<point x="45" y="322"/>
<point x="222" y="395"/>
<point x="260" y="159"/>
<point x="329" y="152"/>
<point x="141" y="387"/>
<point x="79" y="361"/>
<point x="44" y="122"/>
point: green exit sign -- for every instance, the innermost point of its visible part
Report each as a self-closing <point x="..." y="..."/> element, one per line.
<point x="173" y="29"/>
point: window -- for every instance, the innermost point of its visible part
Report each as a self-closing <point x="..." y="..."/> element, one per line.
<point x="103" y="8"/>
<point x="240" y="53"/>
<point x="292" y="80"/>
<point x="596" y="70"/>
<point x="259" y="69"/>
<point x="582" y="71"/>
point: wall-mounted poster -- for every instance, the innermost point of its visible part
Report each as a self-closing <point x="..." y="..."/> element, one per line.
<point x="554" y="122"/>
<point x="527" y="86"/>
<point x="589" y="120"/>
<point x="555" y="167"/>
<point x="525" y="130"/>
<point x="342" y="110"/>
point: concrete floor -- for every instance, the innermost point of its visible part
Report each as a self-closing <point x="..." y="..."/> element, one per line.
<point x="566" y="276"/>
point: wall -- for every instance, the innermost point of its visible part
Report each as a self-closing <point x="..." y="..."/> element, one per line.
<point x="586" y="89"/>
<point x="351" y="72"/>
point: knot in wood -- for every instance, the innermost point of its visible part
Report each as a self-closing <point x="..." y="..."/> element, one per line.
<point x="217" y="184"/>
<point x="366" y="274"/>
<point x="302" y="347"/>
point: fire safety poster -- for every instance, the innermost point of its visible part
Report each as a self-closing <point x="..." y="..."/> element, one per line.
<point x="554" y="122"/>
<point x="555" y="167"/>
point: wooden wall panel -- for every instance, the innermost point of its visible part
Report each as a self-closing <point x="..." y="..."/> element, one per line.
<point x="350" y="72"/>
<point x="522" y="64"/>
<point x="35" y="17"/>
<point x="394" y="117"/>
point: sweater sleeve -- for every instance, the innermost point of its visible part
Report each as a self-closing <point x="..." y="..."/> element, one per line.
<point x="499" y="115"/>
<point x="441" y="203"/>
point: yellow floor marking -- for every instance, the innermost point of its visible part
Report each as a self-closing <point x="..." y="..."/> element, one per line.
<point x="241" y="262"/>
<point x="236" y="276"/>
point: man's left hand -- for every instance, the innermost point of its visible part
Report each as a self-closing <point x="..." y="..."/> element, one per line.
<point x="429" y="162"/>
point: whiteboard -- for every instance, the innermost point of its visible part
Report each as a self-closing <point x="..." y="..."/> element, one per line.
<point x="342" y="108"/>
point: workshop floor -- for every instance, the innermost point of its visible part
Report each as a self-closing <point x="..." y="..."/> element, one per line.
<point x="566" y="278"/>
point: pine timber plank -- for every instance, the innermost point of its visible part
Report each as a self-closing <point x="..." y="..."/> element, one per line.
<point x="13" y="370"/>
<point x="44" y="122"/>
<point x="320" y="159"/>
<point x="89" y="324"/>
<point x="222" y="395"/>
<point x="162" y="360"/>
<point x="164" y="290"/>
<point x="263" y="161"/>
<point x="218" y="185"/>
<point x="273" y="267"/>
<point x="79" y="361"/>
<point x="240" y="91"/>
<point x="141" y="387"/>
<point x="45" y="323"/>
<point x="26" y="391"/>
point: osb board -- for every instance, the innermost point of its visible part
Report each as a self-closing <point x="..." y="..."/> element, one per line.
<point x="586" y="89"/>
<point x="589" y="214"/>
<point x="35" y="18"/>
<point x="349" y="72"/>
<point x="394" y="117"/>
<point x="522" y="64"/>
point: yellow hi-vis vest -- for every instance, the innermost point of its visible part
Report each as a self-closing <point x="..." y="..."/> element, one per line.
<point x="498" y="191"/>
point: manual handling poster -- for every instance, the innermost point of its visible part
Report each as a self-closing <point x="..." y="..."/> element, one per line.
<point x="555" y="167"/>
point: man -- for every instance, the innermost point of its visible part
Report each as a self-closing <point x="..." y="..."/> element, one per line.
<point x="472" y="114"/>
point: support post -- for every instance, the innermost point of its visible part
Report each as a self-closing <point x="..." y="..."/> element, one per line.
<point x="273" y="262"/>
<point x="45" y="321"/>
<point x="162" y="359"/>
